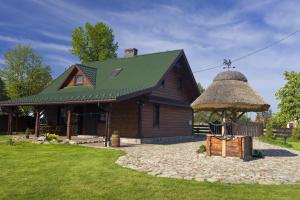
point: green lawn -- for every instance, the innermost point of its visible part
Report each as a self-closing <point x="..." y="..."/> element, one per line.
<point x="280" y="142"/>
<point x="32" y="171"/>
<point x="4" y="138"/>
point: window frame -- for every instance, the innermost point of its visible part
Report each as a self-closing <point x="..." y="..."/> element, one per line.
<point x="76" y="80"/>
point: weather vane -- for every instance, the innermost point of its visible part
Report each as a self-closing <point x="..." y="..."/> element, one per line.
<point x="228" y="64"/>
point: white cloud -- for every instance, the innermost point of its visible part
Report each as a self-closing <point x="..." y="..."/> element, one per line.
<point x="61" y="60"/>
<point x="55" y="35"/>
<point x="36" y="44"/>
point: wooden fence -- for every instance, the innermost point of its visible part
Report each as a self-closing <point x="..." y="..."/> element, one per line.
<point x="241" y="128"/>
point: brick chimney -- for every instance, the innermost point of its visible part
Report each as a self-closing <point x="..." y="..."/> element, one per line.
<point x="131" y="52"/>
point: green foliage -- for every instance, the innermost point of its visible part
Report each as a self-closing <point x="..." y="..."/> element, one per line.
<point x="2" y="90"/>
<point x="27" y="132"/>
<point x="245" y="118"/>
<point x="276" y="141"/>
<point x="296" y="134"/>
<point x="201" y="149"/>
<point x="269" y="132"/>
<point x="24" y="72"/>
<point x="205" y="117"/>
<point x="95" y="43"/>
<point x="201" y="88"/>
<point x="278" y="121"/>
<point x="289" y="97"/>
<point x="52" y="137"/>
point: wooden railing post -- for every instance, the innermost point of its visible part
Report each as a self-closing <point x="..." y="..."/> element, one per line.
<point x="37" y="123"/>
<point x="108" y="123"/>
<point x="69" y="133"/>
<point x="9" y="122"/>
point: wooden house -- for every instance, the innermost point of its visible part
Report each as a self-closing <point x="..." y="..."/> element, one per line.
<point x="141" y="96"/>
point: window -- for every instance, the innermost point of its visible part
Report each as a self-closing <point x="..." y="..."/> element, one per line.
<point x="156" y="111"/>
<point x="115" y="72"/>
<point x="79" y="80"/>
<point x="163" y="84"/>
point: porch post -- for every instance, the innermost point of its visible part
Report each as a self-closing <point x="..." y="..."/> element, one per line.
<point x="37" y="123"/>
<point x="69" y="133"/>
<point x="9" y="122"/>
<point x="107" y="127"/>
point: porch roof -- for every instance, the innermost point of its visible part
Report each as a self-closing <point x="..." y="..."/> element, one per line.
<point x="139" y="74"/>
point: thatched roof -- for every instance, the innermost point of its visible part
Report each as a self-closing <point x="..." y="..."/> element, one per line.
<point x="230" y="91"/>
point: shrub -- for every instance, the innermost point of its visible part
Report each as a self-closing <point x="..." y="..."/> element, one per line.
<point x="27" y="132"/>
<point x="201" y="149"/>
<point x="296" y="134"/>
<point x="52" y="137"/>
<point x="269" y="132"/>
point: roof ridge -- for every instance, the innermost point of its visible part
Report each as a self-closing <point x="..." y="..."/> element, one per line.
<point x="123" y="58"/>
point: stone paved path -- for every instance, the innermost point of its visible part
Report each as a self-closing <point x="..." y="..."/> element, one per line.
<point x="181" y="161"/>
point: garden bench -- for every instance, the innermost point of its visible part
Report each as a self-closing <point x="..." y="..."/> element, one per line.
<point x="283" y="133"/>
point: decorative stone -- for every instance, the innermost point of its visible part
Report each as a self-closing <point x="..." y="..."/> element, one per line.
<point x="41" y="138"/>
<point x="279" y="166"/>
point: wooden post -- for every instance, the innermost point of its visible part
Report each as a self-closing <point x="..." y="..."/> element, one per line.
<point x="17" y="123"/>
<point x="107" y="127"/>
<point x="224" y="134"/>
<point x="69" y="132"/>
<point x="9" y="122"/>
<point x="37" y="123"/>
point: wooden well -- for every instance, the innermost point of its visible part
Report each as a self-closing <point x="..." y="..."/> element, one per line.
<point x="239" y="146"/>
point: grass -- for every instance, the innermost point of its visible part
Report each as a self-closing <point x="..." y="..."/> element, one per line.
<point x="280" y="142"/>
<point x="4" y="138"/>
<point x="32" y="171"/>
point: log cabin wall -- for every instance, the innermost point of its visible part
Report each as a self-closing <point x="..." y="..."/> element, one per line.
<point x="171" y="87"/>
<point x="174" y="121"/>
<point x="124" y="118"/>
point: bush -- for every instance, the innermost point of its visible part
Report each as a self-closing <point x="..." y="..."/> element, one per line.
<point x="269" y="132"/>
<point x="296" y="134"/>
<point x="201" y="149"/>
<point x="27" y="132"/>
<point x="52" y="137"/>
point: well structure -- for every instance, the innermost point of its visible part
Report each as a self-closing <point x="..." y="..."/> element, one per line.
<point x="230" y="96"/>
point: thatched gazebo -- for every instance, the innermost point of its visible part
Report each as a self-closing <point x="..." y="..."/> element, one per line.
<point x="230" y="96"/>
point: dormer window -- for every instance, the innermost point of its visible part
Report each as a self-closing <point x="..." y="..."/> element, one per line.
<point x="79" y="80"/>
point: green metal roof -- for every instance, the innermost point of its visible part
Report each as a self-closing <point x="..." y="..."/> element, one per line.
<point x="138" y="73"/>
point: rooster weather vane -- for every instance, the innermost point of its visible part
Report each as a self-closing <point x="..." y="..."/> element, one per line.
<point x="228" y="64"/>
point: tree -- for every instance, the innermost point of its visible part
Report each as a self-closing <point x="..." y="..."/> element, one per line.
<point x="2" y="90"/>
<point x="95" y="43"/>
<point x="201" y="88"/>
<point x="289" y="97"/>
<point x="24" y="72"/>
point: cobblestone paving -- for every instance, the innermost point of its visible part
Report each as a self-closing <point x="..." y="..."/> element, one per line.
<point x="279" y="166"/>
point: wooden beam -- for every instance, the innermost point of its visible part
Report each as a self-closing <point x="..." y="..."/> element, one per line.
<point x="69" y="132"/>
<point x="9" y="123"/>
<point x="107" y="125"/>
<point x="37" y="123"/>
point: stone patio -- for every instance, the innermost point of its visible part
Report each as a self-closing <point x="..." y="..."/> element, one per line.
<point x="279" y="166"/>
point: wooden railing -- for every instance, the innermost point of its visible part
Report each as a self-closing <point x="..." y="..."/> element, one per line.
<point x="240" y="128"/>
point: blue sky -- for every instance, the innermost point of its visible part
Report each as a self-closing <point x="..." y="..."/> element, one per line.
<point x="208" y="31"/>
